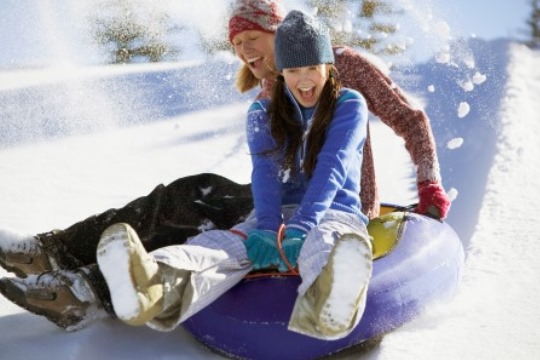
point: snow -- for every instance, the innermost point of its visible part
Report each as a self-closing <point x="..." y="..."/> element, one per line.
<point x="17" y="239"/>
<point x="467" y="85"/>
<point x="75" y="141"/>
<point x="114" y="263"/>
<point x="495" y="314"/>
<point x="350" y="275"/>
<point x="452" y="194"/>
<point x="463" y="109"/>
<point x="454" y="143"/>
<point x="479" y="78"/>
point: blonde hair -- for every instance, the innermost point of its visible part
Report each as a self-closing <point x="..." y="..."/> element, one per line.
<point x="245" y="80"/>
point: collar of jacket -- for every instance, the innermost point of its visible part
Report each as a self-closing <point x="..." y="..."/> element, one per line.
<point x="306" y="125"/>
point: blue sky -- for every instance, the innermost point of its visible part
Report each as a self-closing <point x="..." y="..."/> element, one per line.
<point x="488" y="19"/>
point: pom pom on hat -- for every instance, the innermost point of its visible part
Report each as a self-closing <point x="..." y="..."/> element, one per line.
<point x="262" y="15"/>
<point x="302" y="40"/>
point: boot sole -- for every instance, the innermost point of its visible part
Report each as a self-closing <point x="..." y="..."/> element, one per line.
<point x="350" y="277"/>
<point x="117" y="250"/>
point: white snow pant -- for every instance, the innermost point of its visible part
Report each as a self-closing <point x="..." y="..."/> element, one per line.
<point x="198" y="272"/>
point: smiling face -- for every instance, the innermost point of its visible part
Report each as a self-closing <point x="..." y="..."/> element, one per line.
<point x="306" y="83"/>
<point x="256" y="49"/>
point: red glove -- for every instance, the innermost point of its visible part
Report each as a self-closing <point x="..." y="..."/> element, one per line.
<point x="432" y="199"/>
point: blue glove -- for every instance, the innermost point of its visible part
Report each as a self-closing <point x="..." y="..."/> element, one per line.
<point x="291" y="245"/>
<point x="262" y="249"/>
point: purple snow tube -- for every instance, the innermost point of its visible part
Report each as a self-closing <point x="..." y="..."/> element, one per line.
<point x="250" y="321"/>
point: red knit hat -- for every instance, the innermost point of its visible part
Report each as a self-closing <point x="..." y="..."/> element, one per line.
<point x="262" y="15"/>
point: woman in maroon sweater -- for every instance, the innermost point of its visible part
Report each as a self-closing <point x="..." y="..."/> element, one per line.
<point x="171" y="214"/>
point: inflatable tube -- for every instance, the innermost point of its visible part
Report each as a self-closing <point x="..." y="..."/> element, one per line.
<point x="250" y="321"/>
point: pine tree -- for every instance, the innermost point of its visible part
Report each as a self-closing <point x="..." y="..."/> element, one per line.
<point x="534" y="24"/>
<point x="132" y="32"/>
<point x="214" y="44"/>
<point x="367" y="24"/>
<point x="380" y="29"/>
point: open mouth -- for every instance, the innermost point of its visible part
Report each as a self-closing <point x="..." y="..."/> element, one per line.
<point x="307" y="92"/>
<point x="254" y="62"/>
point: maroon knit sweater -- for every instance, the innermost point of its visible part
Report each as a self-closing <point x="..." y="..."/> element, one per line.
<point x="386" y="101"/>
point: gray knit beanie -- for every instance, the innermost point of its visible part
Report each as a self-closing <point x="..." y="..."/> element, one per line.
<point x="301" y="40"/>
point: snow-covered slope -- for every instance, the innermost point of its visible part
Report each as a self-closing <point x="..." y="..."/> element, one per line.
<point x="496" y="313"/>
<point x="156" y="123"/>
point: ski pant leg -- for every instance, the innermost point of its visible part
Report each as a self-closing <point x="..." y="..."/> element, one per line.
<point x="100" y="288"/>
<point x="168" y="215"/>
<point x="197" y="273"/>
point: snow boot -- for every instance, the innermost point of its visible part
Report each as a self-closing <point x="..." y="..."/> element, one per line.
<point x="23" y="254"/>
<point x="333" y="305"/>
<point x="66" y="298"/>
<point x="132" y="275"/>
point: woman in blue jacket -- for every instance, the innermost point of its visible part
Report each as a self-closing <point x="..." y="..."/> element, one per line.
<point x="306" y="146"/>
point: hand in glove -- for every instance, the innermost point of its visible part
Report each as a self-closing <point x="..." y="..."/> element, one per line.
<point x="262" y="249"/>
<point x="291" y="245"/>
<point x="433" y="200"/>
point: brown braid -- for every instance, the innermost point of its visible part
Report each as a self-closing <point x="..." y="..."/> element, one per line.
<point x="288" y="132"/>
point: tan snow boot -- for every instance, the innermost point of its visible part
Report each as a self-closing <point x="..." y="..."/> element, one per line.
<point x="132" y="275"/>
<point x="333" y="305"/>
<point x="67" y="298"/>
<point x="23" y="254"/>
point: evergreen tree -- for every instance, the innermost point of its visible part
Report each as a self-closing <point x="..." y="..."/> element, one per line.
<point x="534" y="24"/>
<point x="368" y="24"/>
<point x="212" y="44"/>
<point x="132" y="31"/>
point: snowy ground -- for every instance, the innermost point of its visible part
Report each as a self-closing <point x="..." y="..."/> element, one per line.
<point x="76" y="143"/>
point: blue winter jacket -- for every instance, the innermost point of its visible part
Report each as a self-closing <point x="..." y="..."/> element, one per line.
<point x="335" y="182"/>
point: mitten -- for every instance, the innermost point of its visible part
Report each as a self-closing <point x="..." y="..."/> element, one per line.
<point x="292" y="243"/>
<point x="262" y="249"/>
<point x="432" y="200"/>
